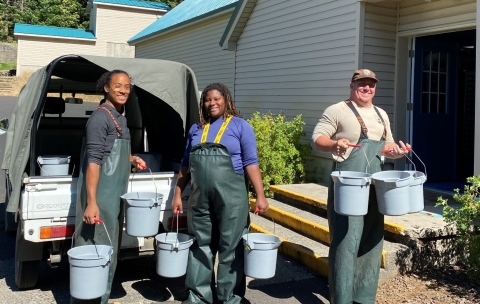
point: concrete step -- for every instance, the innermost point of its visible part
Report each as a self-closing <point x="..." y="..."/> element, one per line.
<point x="404" y="229"/>
<point x="314" y="254"/>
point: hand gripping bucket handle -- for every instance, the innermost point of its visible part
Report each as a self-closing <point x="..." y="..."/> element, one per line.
<point x="97" y="221"/>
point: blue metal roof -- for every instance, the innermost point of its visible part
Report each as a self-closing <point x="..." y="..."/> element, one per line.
<point x="42" y="30"/>
<point x="185" y="12"/>
<point x="137" y="3"/>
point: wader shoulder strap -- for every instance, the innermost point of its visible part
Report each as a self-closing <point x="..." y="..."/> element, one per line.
<point x="384" y="136"/>
<point x="219" y="134"/>
<point x="117" y="126"/>
<point x="364" y="130"/>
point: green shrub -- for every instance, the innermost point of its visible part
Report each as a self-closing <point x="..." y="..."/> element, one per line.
<point x="466" y="219"/>
<point x="281" y="156"/>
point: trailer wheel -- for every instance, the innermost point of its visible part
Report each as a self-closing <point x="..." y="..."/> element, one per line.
<point x="26" y="272"/>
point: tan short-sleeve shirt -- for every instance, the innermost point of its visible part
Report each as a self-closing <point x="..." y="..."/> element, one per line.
<point x="338" y="121"/>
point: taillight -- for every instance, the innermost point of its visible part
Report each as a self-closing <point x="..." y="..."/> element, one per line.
<point x="56" y="231"/>
<point x="182" y="222"/>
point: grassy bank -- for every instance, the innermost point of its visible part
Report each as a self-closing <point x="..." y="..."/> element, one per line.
<point x="7" y="66"/>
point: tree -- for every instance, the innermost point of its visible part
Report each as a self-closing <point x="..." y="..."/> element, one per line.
<point x="10" y="12"/>
<point x="61" y="13"/>
<point x="171" y="3"/>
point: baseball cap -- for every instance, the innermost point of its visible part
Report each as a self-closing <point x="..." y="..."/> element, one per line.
<point x="364" y="73"/>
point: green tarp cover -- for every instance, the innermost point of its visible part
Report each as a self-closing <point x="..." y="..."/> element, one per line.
<point x="172" y="82"/>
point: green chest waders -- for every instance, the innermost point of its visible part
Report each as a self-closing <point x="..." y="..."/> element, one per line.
<point x="113" y="182"/>
<point x="218" y="217"/>
<point x="356" y="242"/>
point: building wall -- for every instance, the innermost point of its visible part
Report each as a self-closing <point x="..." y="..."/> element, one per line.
<point x="297" y="59"/>
<point x="379" y="34"/>
<point x="419" y="16"/>
<point x="115" y="25"/>
<point x="36" y="52"/>
<point x="198" y="47"/>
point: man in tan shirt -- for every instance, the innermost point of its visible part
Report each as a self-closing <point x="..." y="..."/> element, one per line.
<point x="356" y="242"/>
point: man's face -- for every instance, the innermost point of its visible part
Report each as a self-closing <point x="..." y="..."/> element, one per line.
<point x="362" y="91"/>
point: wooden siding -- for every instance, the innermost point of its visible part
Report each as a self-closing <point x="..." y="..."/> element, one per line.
<point x="117" y="25"/>
<point x="36" y="52"/>
<point x="379" y="50"/>
<point x="198" y="47"/>
<point x="296" y="58"/>
<point x="417" y="16"/>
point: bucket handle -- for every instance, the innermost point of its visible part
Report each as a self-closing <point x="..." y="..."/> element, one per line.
<point x="97" y="221"/>
<point x="250" y="245"/>
<point x="156" y="191"/>
<point x="42" y="168"/>
<point x="425" y="167"/>
<point x="364" y="153"/>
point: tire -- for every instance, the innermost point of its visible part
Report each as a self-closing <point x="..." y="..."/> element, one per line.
<point x="10" y="224"/>
<point x="26" y="272"/>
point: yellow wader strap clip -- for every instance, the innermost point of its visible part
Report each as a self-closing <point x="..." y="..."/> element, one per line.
<point x="219" y="134"/>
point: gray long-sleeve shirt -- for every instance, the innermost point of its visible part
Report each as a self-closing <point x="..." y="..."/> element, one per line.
<point x="101" y="134"/>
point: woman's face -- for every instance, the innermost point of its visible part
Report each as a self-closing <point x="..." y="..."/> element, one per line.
<point x="214" y="104"/>
<point x="118" y="90"/>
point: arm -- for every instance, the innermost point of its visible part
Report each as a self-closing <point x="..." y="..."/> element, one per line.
<point x="183" y="179"/>
<point x="92" y="177"/>
<point x="255" y="177"/>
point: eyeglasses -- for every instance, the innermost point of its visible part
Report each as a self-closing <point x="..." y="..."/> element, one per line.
<point x="118" y="87"/>
<point x="364" y="84"/>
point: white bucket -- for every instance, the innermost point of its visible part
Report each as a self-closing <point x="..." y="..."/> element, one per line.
<point x="142" y="213"/>
<point x="172" y="253"/>
<point x="416" y="191"/>
<point x="260" y="251"/>
<point x="89" y="270"/>
<point x="51" y="165"/>
<point x="351" y="192"/>
<point x="393" y="191"/>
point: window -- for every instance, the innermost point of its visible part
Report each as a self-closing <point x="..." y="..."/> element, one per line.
<point x="434" y="82"/>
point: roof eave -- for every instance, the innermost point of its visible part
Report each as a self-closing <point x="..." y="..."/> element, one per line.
<point x="180" y="25"/>
<point x="228" y="42"/>
<point x="55" y="37"/>
<point x="131" y="6"/>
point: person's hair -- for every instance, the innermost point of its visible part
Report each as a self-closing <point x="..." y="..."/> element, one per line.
<point x="230" y="108"/>
<point x="105" y="79"/>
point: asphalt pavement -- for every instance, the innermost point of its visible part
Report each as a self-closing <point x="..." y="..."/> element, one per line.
<point x="136" y="280"/>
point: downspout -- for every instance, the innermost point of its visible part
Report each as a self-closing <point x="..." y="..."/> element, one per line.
<point x="476" y="160"/>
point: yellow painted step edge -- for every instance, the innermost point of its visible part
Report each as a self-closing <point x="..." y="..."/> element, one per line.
<point x="301" y="225"/>
<point x="388" y="226"/>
